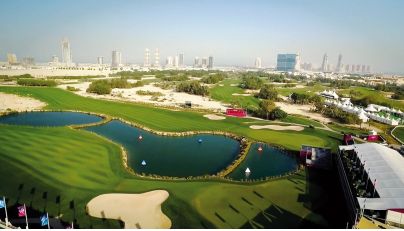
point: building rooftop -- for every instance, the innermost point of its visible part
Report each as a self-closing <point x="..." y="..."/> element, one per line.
<point x="384" y="166"/>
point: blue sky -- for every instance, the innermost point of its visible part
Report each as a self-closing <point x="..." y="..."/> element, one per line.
<point x="234" y="32"/>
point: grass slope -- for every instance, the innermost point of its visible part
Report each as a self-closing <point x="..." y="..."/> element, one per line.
<point x="76" y="165"/>
<point x="399" y="133"/>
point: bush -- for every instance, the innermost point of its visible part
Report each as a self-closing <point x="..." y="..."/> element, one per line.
<point x="268" y="92"/>
<point x="100" y="87"/>
<point x="212" y="79"/>
<point x="36" y="82"/>
<point x="277" y="113"/>
<point x="70" y="88"/>
<point x="152" y="93"/>
<point x="176" y="78"/>
<point x="340" y="115"/>
<point x="251" y="82"/>
<point x="192" y="87"/>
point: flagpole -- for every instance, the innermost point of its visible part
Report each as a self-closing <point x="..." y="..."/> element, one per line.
<point x="5" y="209"/>
<point x="47" y="216"/>
<point x="26" y="218"/>
<point x="72" y="225"/>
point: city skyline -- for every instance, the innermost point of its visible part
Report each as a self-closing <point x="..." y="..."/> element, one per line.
<point x="361" y="39"/>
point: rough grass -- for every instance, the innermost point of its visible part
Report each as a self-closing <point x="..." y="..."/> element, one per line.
<point x="399" y="133"/>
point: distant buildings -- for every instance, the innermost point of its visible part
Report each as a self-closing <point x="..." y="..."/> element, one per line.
<point x="258" y="64"/>
<point x="181" y="62"/>
<point x="146" y="62"/>
<point x="169" y="61"/>
<point x="339" y="64"/>
<point x="197" y="62"/>
<point x="210" y="63"/>
<point x="12" y="59"/>
<point x="324" y="65"/>
<point x="66" y="53"/>
<point x="156" y="58"/>
<point x="100" y="60"/>
<point x="28" y="61"/>
<point x="116" y="59"/>
<point x="288" y="62"/>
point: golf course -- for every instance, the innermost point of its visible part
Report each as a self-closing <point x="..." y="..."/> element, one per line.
<point x="60" y="169"/>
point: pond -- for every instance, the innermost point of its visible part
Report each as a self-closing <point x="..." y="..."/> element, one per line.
<point x="184" y="156"/>
<point x="49" y="118"/>
<point x="270" y="161"/>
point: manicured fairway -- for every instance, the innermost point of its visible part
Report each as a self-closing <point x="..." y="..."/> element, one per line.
<point x="169" y="120"/>
<point x="399" y="133"/>
<point x="77" y="166"/>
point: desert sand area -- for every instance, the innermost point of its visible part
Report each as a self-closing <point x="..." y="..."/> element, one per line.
<point x="214" y="117"/>
<point x="19" y="103"/>
<point x="168" y="98"/>
<point x="278" y="127"/>
<point x="304" y="110"/>
<point x="135" y="210"/>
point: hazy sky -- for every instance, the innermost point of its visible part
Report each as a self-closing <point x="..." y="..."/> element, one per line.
<point x="234" y="32"/>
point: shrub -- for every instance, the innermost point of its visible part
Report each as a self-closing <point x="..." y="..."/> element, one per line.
<point x="36" y="82"/>
<point x="100" y="87"/>
<point x="251" y="82"/>
<point x="192" y="87"/>
<point x="70" y="88"/>
<point x="268" y="92"/>
<point x="175" y="78"/>
<point x="212" y="79"/>
<point x="277" y="113"/>
<point x="152" y="93"/>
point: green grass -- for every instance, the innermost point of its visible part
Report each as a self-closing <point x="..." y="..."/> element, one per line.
<point x="399" y="133"/>
<point x="169" y="120"/>
<point x="301" y="120"/>
<point x="311" y="90"/>
<point x="78" y="165"/>
<point x="225" y="94"/>
<point x="380" y="96"/>
<point x="347" y="129"/>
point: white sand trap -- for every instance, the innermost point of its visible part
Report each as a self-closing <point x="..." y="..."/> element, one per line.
<point x="135" y="210"/>
<point x="19" y="103"/>
<point x="214" y="117"/>
<point x="278" y="127"/>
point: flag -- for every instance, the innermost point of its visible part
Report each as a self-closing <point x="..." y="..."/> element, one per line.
<point x="44" y="220"/>
<point x="2" y="203"/>
<point x="21" y="211"/>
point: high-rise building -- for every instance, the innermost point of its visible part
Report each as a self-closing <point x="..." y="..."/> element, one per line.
<point x="197" y="62"/>
<point x="358" y="68"/>
<point x="146" y="57"/>
<point x="258" y="62"/>
<point x="346" y="68"/>
<point x="181" y="60"/>
<point x="28" y="61"/>
<point x="353" y="68"/>
<point x="169" y="61"/>
<point x="100" y="60"/>
<point x="288" y="62"/>
<point x="368" y="69"/>
<point x="11" y="58"/>
<point x="339" y="63"/>
<point x="66" y="52"/>
<point x="324" y="65"/>
<point x="55" y="59"/>
<point x="210" y="62"/>
<point x="156" y="58"/>
<point x="176" y="61"/>
<point x="363" y="69"/>
<point x="204" y="62"/>
<point x="116" y="59"/>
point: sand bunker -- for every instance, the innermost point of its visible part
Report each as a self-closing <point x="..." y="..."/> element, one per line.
<point x="302" y="109"/>
<point x="18" y="103"/>
<point x="214" y="117"/>
<point x="278" y="127"/>
<point x="135" y="210"/>
<point x="238" y="94"/>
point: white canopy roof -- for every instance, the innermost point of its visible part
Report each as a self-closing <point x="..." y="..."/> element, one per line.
<point x="387" y="168"/>
<point x="370" y="108"/>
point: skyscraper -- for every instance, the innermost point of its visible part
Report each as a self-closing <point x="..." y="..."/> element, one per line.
<point x="339" y="63"/>
<point x="210" y="63"/>
<point x="324" y="65"/>
<point x="288" y="62"/>
<point x="116" y="59"/>
<point x="66" y="52"/>
<point x="157" y="58"/>
<point x="100" y="60"/>
<point x="11" y="58"/>
<point x="197" y="62"/>
<point x="204" y="62"/>
<point x="28" y="61"/>
<point x="363" y="68"/>
<point x="176" y="61"/>
<point x="55" y="59"/>
<point x="181" y="60"/>
<point x="146" y="57"/>
<point x="169" y="61"/>
<point x="258" y="62"/>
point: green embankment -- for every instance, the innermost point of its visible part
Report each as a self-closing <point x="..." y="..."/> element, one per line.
<point x="399" y="133"/>
<point x="77" y="166"/>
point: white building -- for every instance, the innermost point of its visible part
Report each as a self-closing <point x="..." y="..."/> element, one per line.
<point x="156" y="58"/>
<point x="66" y="53"/>
<point x="116" y="59"/>
<point x="100" y="60"/>
<point x="146" y="62"/>
<point x="258" y="63"/>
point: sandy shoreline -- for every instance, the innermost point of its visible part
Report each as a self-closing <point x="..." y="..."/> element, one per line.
<point x="19" y="103"/>
<point x="135" y="210"/>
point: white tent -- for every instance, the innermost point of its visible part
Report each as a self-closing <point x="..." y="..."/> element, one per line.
<point x="370" y="108"/>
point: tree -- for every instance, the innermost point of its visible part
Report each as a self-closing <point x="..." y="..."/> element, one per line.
<point x="277" y="113"/>
<point x="192" y="87"/>
<point x="251" y="82"/>
<point x="268" y="92"/>
<point x="266" y="106"/>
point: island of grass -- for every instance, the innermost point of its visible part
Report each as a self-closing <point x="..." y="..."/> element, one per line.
<point x="76" y="166"/>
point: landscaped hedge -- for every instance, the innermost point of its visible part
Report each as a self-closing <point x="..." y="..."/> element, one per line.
<point x="36" y="82"/>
